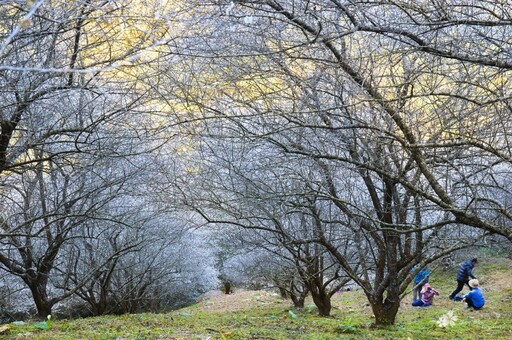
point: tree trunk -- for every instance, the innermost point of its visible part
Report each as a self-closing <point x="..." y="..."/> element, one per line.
<point x="385" y="312"/>
<point x="43" y="304"/>
<point x="226" y="287"/>
<point x="298" y="300"/>
<point x="102" y="304"/>
<point x="322" y="301"/>
<point x="283" y="292"/>
<point x="298" y="293"/>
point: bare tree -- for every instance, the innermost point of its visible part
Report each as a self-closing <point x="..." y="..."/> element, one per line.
<point x="376" y="121"/>
<point x="72" y="84"/>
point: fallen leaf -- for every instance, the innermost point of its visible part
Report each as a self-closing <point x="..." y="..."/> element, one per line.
<point x="5" y="329"/>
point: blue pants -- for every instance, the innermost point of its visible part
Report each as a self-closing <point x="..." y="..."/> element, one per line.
<point x="420" y="303"/>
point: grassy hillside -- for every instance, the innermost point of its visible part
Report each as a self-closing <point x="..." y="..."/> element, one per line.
<point x="263" y="315"/>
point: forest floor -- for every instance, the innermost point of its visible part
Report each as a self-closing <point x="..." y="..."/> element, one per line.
<point x="217" y="301"/>
<point x="263" y="314"/>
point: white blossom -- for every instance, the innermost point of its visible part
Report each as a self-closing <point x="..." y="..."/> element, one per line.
<point x="447" y="320"/>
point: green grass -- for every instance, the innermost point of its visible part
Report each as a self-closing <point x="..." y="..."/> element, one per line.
<point x="351" y="318"/>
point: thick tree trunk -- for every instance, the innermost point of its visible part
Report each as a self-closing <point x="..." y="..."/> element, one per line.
<point x="322" y="301"/>
<point x="40" y="296"/>
<point x="385" y="312"/>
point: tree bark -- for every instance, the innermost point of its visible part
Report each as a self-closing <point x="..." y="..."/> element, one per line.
<point x="322" y="301"/>
<point x="40" y="296"/>
<point x="385" y="310"/>
<point x="298" y="299"/>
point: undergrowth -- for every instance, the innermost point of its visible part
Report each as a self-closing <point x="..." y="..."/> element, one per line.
<point x="351" y="318"/>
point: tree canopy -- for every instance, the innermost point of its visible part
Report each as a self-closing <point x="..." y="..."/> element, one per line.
<point x="352" y="140"/>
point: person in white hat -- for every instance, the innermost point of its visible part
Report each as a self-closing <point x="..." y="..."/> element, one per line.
<point x="475" y="298"/>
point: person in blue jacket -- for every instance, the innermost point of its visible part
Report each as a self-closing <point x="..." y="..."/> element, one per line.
<point x="475" y="298"/>
<point x="420" y="279"/>
<point x="464" y="272"/>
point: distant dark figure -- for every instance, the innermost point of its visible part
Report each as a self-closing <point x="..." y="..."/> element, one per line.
<point x="464" y="272"/>
<point x="475" y="298"/>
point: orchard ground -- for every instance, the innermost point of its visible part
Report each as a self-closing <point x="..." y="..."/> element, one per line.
<point x="264" y="315"/>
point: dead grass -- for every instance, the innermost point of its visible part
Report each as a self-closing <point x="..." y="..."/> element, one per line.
<point x="241" y="299"/>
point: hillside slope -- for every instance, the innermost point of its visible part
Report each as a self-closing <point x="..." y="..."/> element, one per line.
<point x="264" y="315"/>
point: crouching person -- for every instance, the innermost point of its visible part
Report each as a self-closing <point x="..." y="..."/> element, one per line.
<point x="427" y="296"/>
<point x="475" y="298"/>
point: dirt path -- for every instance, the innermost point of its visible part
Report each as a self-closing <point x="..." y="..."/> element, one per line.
<point x="239" y="300"/>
